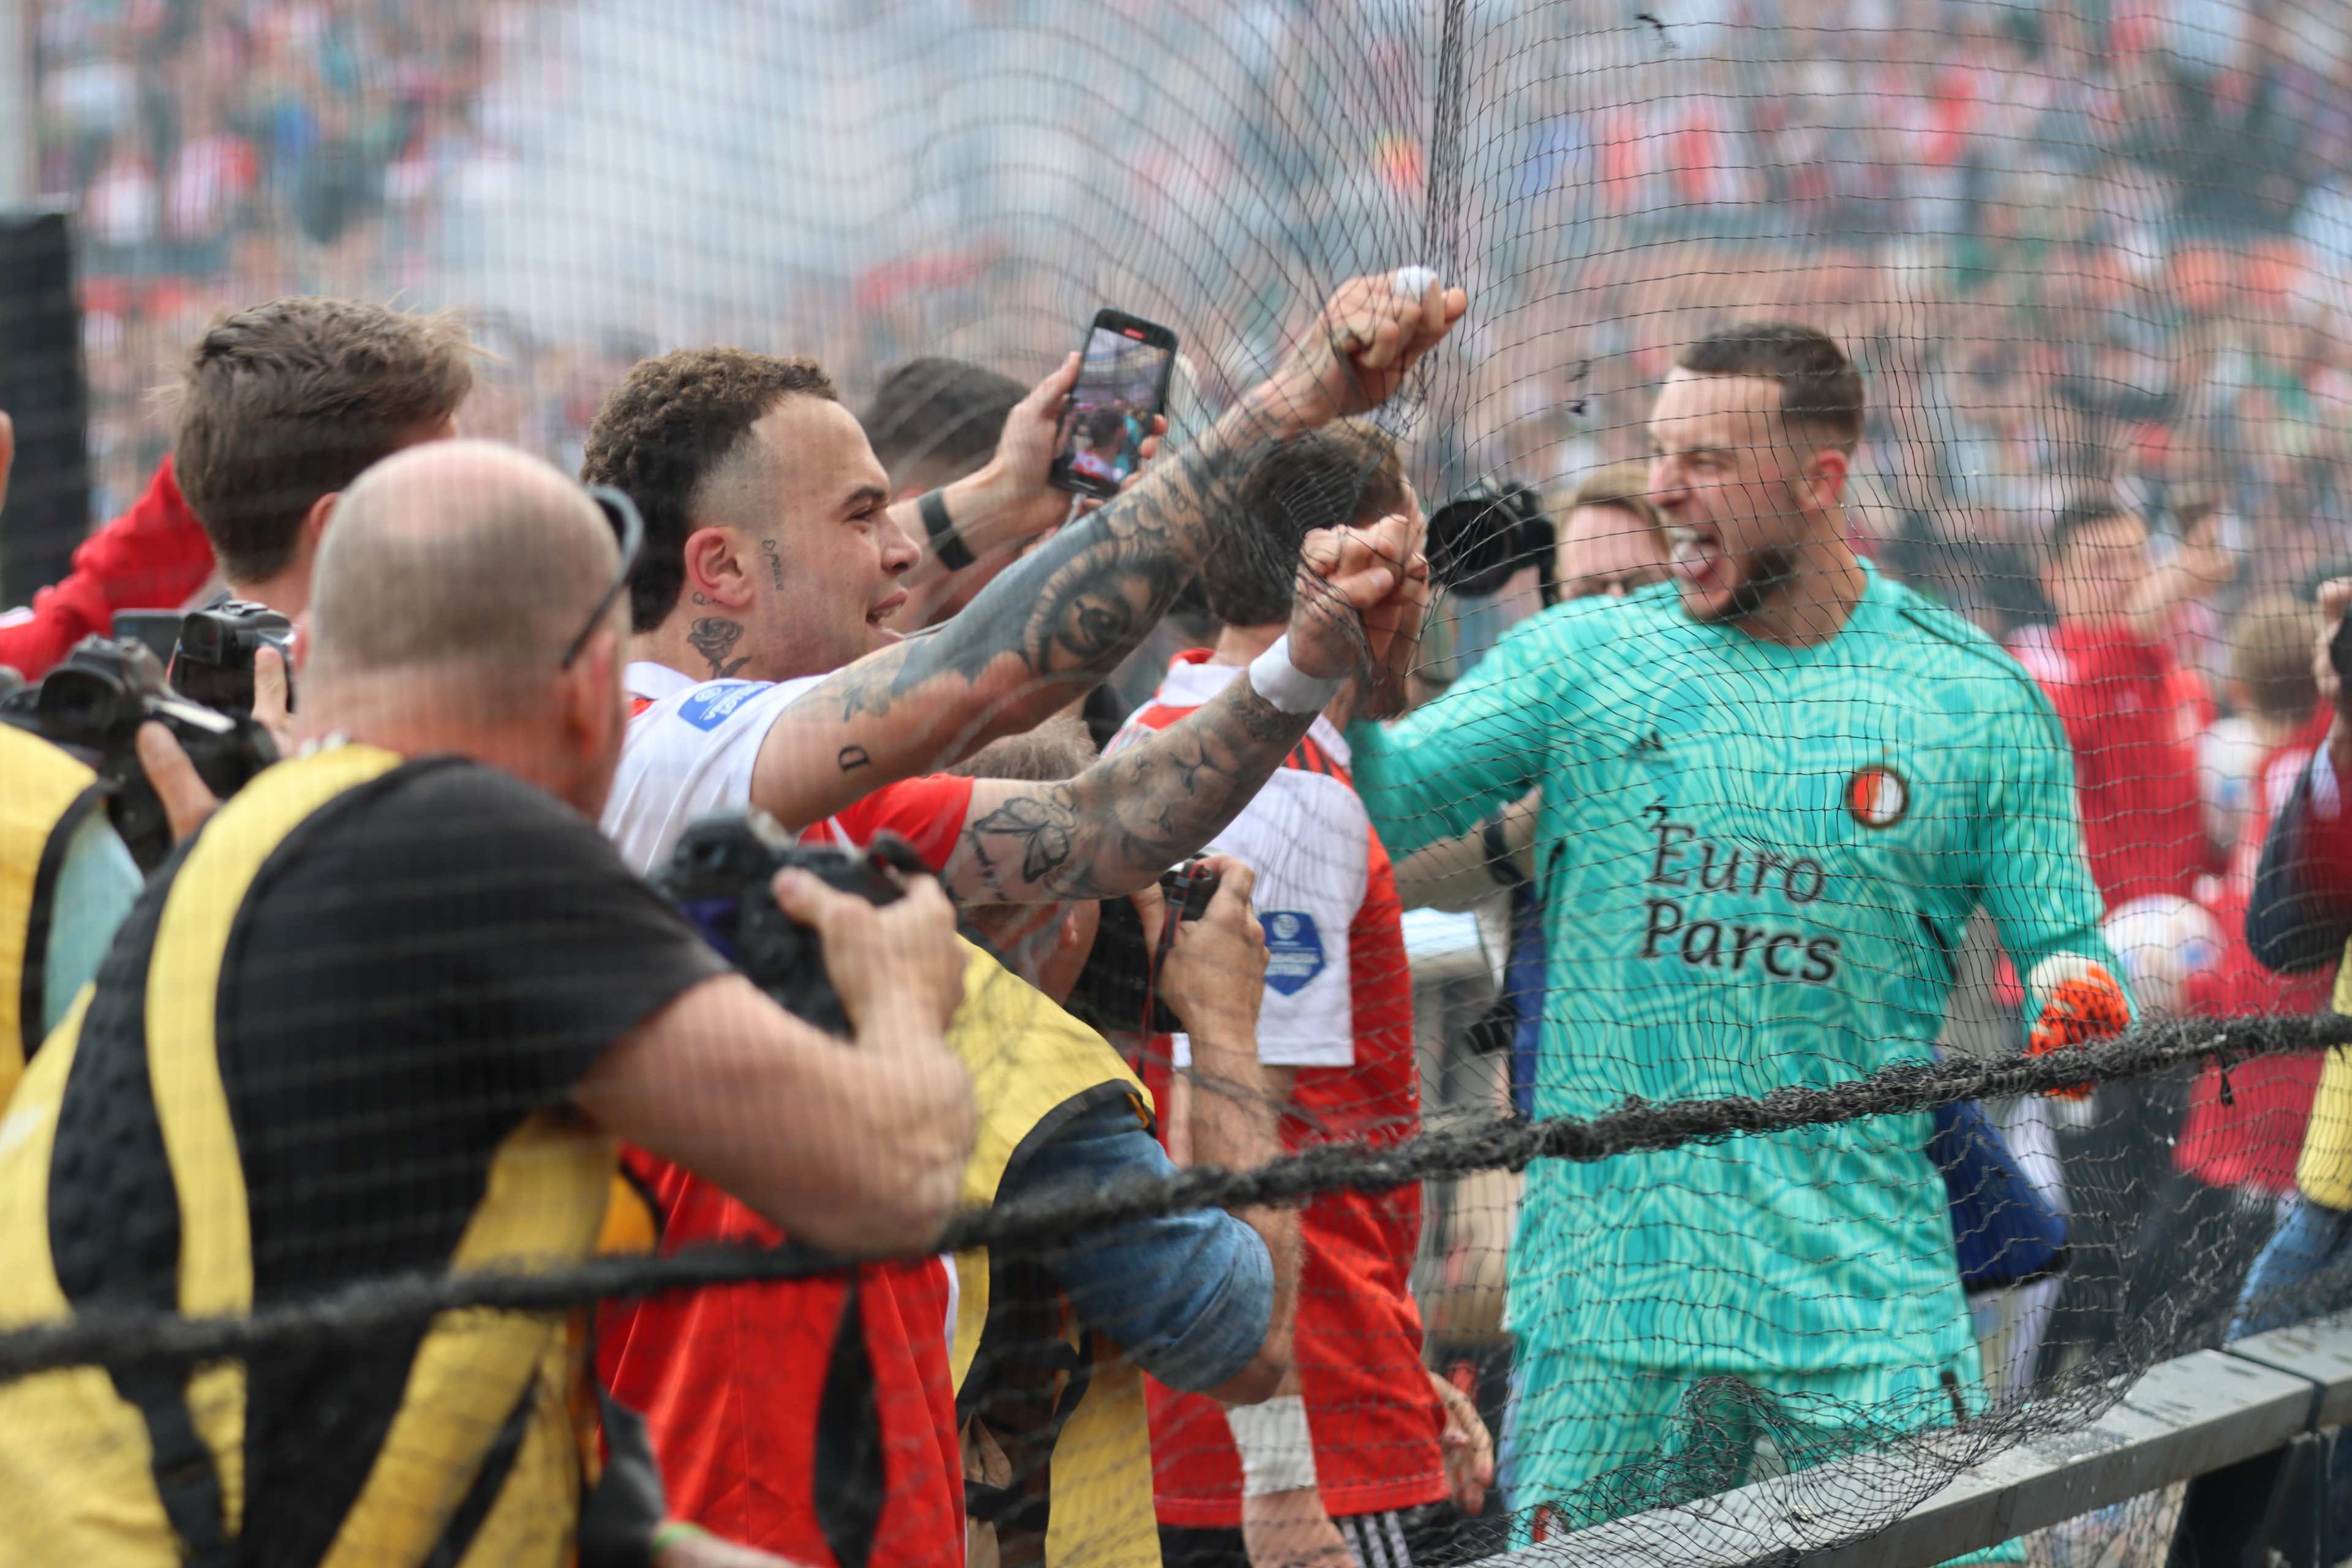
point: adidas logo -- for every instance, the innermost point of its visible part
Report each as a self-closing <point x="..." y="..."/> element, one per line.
<point x="1649" y="742"/>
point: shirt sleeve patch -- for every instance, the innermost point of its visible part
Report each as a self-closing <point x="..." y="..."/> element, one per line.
<point x="1294" y="950"/>
<point x="716" y="704"/>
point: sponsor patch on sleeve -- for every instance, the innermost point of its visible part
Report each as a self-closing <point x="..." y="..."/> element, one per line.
<point x="1294" y="950"/>
<point x="716" y="704"/>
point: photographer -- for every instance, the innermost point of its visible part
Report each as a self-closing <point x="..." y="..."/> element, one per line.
<point x="1194" y="1299"/>
<point x="444" y="998"/>
<point x="281" y="406"/>
<point x="66" y="882"/>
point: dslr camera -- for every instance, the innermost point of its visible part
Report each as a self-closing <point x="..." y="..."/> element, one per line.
<point x="92" y="705"/>
<point x="213" y="662"/>
<point x="1483" y="535"/>
<point x="720" y="876"/>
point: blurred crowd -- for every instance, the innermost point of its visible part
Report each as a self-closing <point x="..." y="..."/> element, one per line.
<point x="2072" y="249"/>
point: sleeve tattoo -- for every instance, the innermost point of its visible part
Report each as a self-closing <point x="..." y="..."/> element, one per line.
<point x="1127" y="818"/>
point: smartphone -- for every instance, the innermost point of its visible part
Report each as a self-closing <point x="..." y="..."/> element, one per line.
<point x="1122" y="387"/>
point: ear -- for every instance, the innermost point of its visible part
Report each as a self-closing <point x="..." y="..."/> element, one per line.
<point x="717" y="568"/>
<point x="1066" y="936"/>
<point x="1825" y="476"/>
<point x="314" y="524"/>
<point x="302" y="641"/>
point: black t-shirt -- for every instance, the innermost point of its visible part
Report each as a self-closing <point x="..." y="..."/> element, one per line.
<point x="421" y="965"/>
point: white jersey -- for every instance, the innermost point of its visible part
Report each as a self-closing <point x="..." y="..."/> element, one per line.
<point x="1308" y="838"/>
<point x="689" y="753"/>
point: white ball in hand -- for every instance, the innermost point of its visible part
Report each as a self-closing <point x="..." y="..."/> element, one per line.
<point x="1412" y="282"/>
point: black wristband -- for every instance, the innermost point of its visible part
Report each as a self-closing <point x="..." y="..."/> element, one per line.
<point x="1500" y="864"/>
<point x="946" y="544"/>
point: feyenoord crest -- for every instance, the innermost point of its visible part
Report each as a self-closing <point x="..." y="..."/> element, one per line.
<point x="1876" y="797"/>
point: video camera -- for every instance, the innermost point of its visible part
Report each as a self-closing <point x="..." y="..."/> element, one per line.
<point x="207" y="654"/>
<point x="1482" y="535"/>
<point x="719" y="875"/>
<point x="214" y="662"/>
<point x="92" y="704"/>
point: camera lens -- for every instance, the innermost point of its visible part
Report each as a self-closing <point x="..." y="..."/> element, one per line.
<point x="77" y="705"/>
<point x="1483" y="535"/>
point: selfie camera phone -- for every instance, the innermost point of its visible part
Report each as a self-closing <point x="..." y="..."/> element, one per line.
<point x="1122" y="388"/>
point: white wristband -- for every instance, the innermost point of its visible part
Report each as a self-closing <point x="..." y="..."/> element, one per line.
<point x="1291" y="689"/>
<point x="1276" y="1449"/>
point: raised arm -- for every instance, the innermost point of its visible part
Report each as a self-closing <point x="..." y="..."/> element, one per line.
<point x="1056" y="626"/>
<point x="1122" y="822"/>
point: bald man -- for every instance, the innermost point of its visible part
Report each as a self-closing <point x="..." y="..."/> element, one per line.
<point x="387" y="1014"/>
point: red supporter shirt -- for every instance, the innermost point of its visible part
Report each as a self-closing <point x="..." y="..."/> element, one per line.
<point x="2131" y="717"/>
<point x="731" y="1378"/>
<point x="2255" y="1140"/>
<point x="153" y="557"/>
<point x="1338" y="1008"/>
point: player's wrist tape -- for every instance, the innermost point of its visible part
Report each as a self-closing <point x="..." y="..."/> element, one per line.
<point x="1291" y="689"/>
<point x="1276" y="1449"/>
<point x="946" y="542"/>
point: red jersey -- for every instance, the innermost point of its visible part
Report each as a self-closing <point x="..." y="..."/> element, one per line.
<point x="2131" y="716"/>
<point x="744" y="1388"/>
<point x="153" y="557"/>
<point x="2254" y="1140"/>
<point x="1327" y="900"/>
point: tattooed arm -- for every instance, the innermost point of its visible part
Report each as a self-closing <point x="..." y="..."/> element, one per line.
<point x="1122" y="822"/>
<point x="1053" y="627"/>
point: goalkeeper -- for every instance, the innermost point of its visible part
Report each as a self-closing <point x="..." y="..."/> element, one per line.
<point x="1773" y="791"/>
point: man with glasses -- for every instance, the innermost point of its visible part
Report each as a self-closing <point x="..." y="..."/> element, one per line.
<point x="403" y="997"/>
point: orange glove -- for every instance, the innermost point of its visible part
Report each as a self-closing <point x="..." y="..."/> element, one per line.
<point x="2086" y="1006"/>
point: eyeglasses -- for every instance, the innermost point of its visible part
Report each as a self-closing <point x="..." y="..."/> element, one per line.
<point x="622" y="514"/>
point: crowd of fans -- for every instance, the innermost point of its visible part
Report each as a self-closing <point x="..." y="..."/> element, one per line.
<point x="2088" y="276"/>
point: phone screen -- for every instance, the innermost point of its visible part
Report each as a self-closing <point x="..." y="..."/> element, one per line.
<point x="1121" y="381"/>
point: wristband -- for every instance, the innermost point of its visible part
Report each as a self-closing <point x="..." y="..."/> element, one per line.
<point x="1500" y="864"/>
<point x="946" y="544"/>
<point x="1276" y="1449"/>
<point x="1291" y="689"/>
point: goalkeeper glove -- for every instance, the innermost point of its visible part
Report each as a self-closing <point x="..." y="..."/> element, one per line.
<point x="2081" y="1003"/>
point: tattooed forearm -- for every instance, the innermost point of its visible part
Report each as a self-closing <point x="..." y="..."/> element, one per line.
<point x="1083" y="601"/>
<point x="1127" y="818"/>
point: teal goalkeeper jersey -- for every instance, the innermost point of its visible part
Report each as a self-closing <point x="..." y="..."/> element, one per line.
<point x="1756" y="863"/>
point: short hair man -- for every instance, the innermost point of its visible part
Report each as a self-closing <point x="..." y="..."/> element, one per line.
<point x="1335" y="1035"/>
<point x="1772" y="797"/>
<point x="2131" y="712"/>
<point x="744" y="462"/>
<point x="283" y="405"/>
<point x="446" y="998"/>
